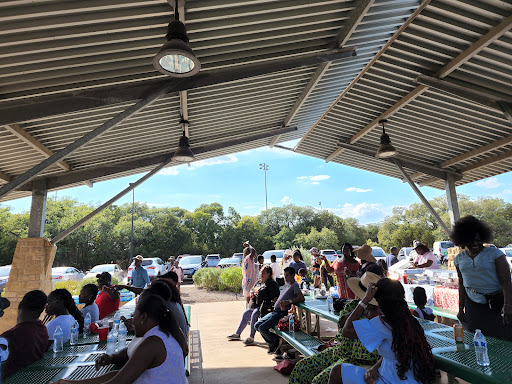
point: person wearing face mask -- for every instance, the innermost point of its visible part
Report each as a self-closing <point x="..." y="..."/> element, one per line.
<point x="485" y="288"/>
<point x="343" y="267"/>
<point x="290" y="294"/>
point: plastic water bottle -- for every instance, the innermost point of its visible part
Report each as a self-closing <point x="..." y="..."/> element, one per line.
<point x="481" y="349"/>
<point x="87" y="324"/>
<point x="291" y="324"/>
<point x="121" y="337"/>
<point x="58" y="340"/>
<point x="330" y="307"/>
<point x="74" y="334"/>
<point x="117" y="321"/>
<point x="111" y="343"/>
<point x="311" y="291"/>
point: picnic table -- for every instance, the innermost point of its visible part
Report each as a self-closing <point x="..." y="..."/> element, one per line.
<point x="457" y="359"/>
<point x="75" y="362"/>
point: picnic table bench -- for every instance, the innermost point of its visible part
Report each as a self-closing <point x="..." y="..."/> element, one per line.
<point x="301" y="341"/>
<point x="187" y="361"/>
<point x="456" y="359"/>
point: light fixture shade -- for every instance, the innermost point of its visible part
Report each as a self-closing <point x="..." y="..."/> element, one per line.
<point x="183" y="154"/>
<point x="176" y="58"/>
<point x="386" y="149"/>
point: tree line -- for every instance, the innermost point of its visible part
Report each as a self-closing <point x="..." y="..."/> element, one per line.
<point x="165" y="232"/>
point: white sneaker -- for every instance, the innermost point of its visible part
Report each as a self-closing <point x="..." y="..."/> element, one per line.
<point x="249" y="341"/>
<point x="234" y="336"/>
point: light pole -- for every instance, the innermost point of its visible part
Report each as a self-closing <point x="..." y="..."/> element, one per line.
<point x="320" y="204"/>
<point x="264" y="167"/>
<point x="133" y="205"/>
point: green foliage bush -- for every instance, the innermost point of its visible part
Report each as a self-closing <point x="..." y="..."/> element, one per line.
<point x="214" y="279"/>
<point x="75" y="286"/>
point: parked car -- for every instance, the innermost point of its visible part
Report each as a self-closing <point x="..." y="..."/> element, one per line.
<point x="278" y="252"/>
<point x="440" y="249"/>
<point x="330" y="254"/>
<point x="239" y="255"/>
<point x="508" y="253"/>
<point x="113" y="269"/>
<point x="212" y="260"/>
<point x="154" y="265"/>
<point x="404" y="253"/>
<point x="4" y="276"/>
<point x="67" y="273"/>
<point x="378" y="253"/>
<point x="229" y="262"/>
<point x="190" y="265"/>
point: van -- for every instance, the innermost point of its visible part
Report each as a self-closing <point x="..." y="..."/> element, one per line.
<point x="441" y="249"/>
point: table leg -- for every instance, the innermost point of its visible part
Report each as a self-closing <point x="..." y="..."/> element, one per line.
<point x="308" y="322"/>
<point x="317" y="326"/>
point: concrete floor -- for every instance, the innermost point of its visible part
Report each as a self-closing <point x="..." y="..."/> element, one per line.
<point x="216" y="360"/>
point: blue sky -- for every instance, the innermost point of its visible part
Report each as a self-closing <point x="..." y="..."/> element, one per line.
<point x="236" y="180"/>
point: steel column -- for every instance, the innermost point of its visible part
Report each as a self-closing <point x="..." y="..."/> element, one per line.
<point x="37" y="209"/>
<point x="451" y="198"/>
<point x="422" y="198"/>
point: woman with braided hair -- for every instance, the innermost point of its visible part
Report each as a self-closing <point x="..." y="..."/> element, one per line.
<point x="159" y="358"/>
<point x="61" y="305"/>
<point x="395" y="333"/>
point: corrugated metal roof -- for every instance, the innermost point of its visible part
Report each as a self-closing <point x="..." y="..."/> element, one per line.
<point x="435" y="126"/>
<point x="57" y="47"/>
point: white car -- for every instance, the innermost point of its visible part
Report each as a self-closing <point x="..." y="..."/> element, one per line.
<point x="508" y="253"/>
<point x="113" y="269"/>
<point x="278" y="252"/>
<point x="154" y="265"/>
<point x="229" y="262"/>
<point x="66" y="273"/>
<point x="404" y="253"/>
<point x="330" y="254"/>
<point x="378" y="253"/>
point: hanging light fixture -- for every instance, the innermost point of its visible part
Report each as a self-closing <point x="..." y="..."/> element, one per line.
<point x="183" y="154"/>
<point x="176" y="58"/>
<point x="386" y="149"/>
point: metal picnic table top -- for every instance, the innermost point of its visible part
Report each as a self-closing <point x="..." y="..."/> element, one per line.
<point x="457" y="359"/>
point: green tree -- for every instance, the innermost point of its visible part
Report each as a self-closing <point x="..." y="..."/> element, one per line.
<point x="325" y="239"/>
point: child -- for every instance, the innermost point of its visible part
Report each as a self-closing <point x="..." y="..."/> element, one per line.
<point x="420" y="299"/>
<point x="304" y="281"/>
<point x="87" y="296"/>
<point x="261" y="260"/>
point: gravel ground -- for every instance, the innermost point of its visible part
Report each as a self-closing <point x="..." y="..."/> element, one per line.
<point x="190" y="294"/>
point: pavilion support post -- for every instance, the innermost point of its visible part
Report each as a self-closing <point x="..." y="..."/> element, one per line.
<point x="451" y="197"/>
<point x="38" y="209"/>
<point x="31" y="269"/>
<point x="422" y="198"/>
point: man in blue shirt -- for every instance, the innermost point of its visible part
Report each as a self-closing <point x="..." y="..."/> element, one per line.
<point x="392" y="257"/>
<point x="140" y="276"/>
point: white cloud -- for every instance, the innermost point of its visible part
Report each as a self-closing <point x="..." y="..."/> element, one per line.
<point x="313" y="179"/>
<point x="173" y="171"/>
<point x="364" y="212"/>
<point x="355" y="189"/>
<point x="286" y="200"/>
<point x="491" y="183"/>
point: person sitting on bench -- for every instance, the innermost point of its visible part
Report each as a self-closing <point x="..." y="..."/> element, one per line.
<point x="291" y="294"/>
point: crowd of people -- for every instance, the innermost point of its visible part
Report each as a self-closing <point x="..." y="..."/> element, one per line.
<point x="159" y="323"/>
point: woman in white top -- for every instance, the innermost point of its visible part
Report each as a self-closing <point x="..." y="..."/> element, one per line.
<point x="159" y="358"/>
<point x="61" y="305"/>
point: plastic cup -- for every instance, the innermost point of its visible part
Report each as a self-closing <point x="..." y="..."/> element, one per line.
<point x="103" y="333"/>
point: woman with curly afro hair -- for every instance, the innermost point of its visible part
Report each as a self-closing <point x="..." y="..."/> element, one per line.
<point x="485" y="289"/>
<point x="397" y="336"/>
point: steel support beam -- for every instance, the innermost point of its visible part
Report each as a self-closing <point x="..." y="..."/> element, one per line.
<point x="422" y="198"/>
<point x="506" y="108"/>
<point x="348" y="28"/>
<point x="32" y="142"/>
<point x="44" y="106"/>
<point x="88" y="217"/>
<point x="451" y="198"/>
<point x="37" y="209"/>
<point x="411" y="164"/>
<point x="80" y="176"/>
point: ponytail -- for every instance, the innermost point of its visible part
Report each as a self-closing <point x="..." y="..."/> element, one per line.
<point x="156" y="309"/>
<point x="69" y="304"/>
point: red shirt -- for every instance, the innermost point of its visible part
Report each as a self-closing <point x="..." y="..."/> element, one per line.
<point x="106" y="305"/>
<point x="28" y="341"/>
